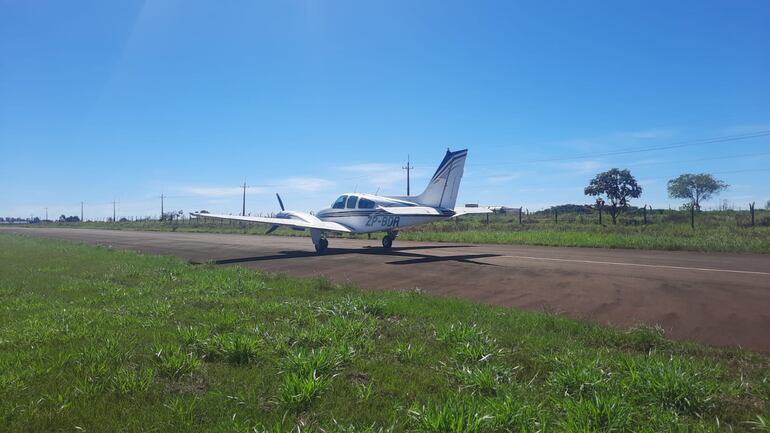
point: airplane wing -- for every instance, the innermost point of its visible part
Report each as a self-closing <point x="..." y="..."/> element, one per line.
<point x="294" y="220"/>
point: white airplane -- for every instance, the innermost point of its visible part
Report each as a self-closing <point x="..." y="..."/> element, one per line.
<point x="366" y="213"/>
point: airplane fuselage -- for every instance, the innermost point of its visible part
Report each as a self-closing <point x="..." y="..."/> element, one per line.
<point x="355" y="211"/>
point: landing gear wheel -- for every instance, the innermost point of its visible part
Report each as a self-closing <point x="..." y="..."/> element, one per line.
<point x="387" y="242"/>
<point x="321" y="246"/>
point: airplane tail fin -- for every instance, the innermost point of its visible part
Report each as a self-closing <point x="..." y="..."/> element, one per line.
<point x="445" y="183"/>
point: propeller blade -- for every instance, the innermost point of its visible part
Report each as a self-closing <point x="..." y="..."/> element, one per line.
<point x="280" y="202"/>
<point x="271" y="229"/>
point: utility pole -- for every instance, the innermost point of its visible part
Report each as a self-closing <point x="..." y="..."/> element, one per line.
<point x="46" y="214"/>
<point x="161" y="205"/>
<point x="408" y="168"/>
<point x="81" y="211"/>
<point x="243" y="211"/>
<point x="114" y="207"/>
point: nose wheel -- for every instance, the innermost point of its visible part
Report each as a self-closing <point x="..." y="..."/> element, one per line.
<point x="321" y="245"/>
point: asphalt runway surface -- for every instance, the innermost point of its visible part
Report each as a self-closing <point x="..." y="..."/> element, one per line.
<point x="720" y="299"/>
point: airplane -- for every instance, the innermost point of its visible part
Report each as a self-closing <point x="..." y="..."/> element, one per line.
<point x="367" y="213"/>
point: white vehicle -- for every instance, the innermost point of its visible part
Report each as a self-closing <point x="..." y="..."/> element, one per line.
<point x="367" y="213"/>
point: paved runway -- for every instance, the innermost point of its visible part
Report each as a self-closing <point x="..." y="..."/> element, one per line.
<point x="717" y="298"/>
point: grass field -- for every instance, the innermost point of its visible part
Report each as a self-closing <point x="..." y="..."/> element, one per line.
<point x="727" y="231"/>
<point x="94" y="339"/>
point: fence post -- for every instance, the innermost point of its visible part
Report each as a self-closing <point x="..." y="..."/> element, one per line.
<point x="487" y="219"/>
<point x="556" y="216"/>
<point x="692" y="216"/>
<point x="645" y="213"/>
<point x="520" y="215"/>
<point x="751" y="206"/>
<point x="601" y="206"/>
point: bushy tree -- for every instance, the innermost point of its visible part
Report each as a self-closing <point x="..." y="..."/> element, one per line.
<point x="618" y="186"/>
<point x="171" y="216"/>
<point x="695" y="188"/>
<point x="68" y="219"/>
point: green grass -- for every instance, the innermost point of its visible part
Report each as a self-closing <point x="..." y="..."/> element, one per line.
<point x="95" y="339"/>
<point x="726" y="231"/>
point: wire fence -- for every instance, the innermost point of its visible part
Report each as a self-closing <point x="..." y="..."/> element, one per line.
<point x="505" y="217"/>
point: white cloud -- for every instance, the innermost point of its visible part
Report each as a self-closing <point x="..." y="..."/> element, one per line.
<point x="381" y="175"/>
<point x="581" y="167"/>
<point x="646" y="134"/>
<point x="304" y="184"/>
<point x="215" y="191"/>
<point x="504" y="177"/>
<point x="746" y="129"/>
<point x="296" y="184"/>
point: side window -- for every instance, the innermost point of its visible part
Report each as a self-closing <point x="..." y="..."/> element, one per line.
<point x="365" y="204"/>
<point x="340" y="203"/>
<point x="352" y="202"/>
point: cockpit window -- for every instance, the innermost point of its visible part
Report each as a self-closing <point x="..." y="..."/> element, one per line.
<point x="340" y="203"/>
<point x="352" y="202"/>
<point x="365" y="204"/>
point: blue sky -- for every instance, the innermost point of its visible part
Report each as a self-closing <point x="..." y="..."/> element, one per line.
<point x="122" y="100"/>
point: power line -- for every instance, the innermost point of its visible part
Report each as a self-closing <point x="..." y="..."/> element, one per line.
<point x="711" y="158"/>
<point x="675" y="145"/>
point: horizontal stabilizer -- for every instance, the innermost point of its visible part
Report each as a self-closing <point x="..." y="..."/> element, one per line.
<point x="472" y="210"/>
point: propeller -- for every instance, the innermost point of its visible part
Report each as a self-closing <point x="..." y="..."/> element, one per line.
<point x="280" y="202"/>
<point x="271" y="229"/>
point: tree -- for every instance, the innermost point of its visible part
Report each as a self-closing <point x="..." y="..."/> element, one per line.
<point x="68" y="219"/>
<point x="171" y="216"/>
<point x="695" y="188"/>
<point x="618" y="186"/>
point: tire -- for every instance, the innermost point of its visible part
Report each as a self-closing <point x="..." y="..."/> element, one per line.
<point x="387" y="242"/>
<point x="321" y="246"/>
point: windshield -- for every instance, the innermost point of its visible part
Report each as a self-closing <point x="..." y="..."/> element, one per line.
<point x="340" y="203"/>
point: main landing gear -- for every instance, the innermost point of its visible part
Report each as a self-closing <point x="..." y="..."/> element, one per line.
<point x="321" y="246"/>
<point x="387" y="241"/>
<point x="319" y="240"/>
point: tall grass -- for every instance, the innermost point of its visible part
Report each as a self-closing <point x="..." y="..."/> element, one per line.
<point x="97" y="339"/>
<point x="728" y="231"/>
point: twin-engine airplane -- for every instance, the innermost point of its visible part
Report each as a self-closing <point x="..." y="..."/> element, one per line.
<point x="367" y="213"/>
